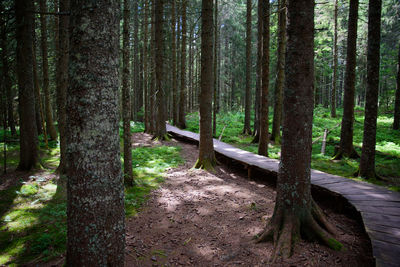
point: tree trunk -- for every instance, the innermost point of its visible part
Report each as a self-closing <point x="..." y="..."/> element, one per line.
<point x="367" y="163"/>
<point x="62" y="84"/>
<point x="346" y="148"/>
<point x="215" y="94"/>
<point x="206" y="148"/>
<point x="295" y="212"/>
<point x="28" y="152"/>
<point x="51" y="129"/>
<point x="145" y="68"/>
<point x="174" y="74"/>
<point x="161" y="130"/>
<point x="263" y="142"/>
<point x="396" y="120"/>
<point x="126" y="104"/>
<point x="7" y="83"/>
<point x="258" y="75"/>
<point x="280" y="70"/>
<point x="182" y="98"/>
<point x="136" y="88"/>
<point x="95" y="211"/>
<point x="152" y="96"/>
<point x="247" y="106"/>
<point x="335" y="62"/>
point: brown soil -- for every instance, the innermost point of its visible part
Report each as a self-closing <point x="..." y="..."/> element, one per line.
<point x="199" y="218"/>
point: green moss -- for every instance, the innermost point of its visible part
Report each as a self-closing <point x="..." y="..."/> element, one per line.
<point x="335" y="245"/>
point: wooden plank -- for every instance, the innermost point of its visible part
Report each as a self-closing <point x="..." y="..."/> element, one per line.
<point x="384" y="237"/>
<point x="382" y="219"/>
<point x="386" y="252"/>
<point x="383" y="210"/>
<point x="375" y="203"/>
<point x="371" y="226"/>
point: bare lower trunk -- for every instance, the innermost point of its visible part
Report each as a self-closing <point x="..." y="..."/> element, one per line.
<point x="174" y="74"/>
<point x="182" y="98"/>
<point x="367" y="163"/>
<point x="247" y="107"/>
<point x="396" y="121"/>
<point x="295" y="212"/>
<point x="335" y="62"/>
<point x="258" y="75"/>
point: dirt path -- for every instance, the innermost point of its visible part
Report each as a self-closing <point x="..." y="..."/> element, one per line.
<point x="201" y="219"/>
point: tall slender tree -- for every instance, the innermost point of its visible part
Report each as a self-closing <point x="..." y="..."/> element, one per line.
<point x="215" y="95"/>
<point x="335" y="60"/>
<point x="28" y="152"/>
<point x="257" y="105"/>
<point x="295" y="212"/>
<point x="264" y="135"/>
<point x="396" y="121"/>
<point x="145" y="68"/>
<point x="346" y="147"/>
<point x="62" y="84"/>
<point x="247" y="106"/>
<point x="126" y="103"/>
<point x="95" y="209"/>
<point x="367" y="163"/>
<point x="206" y="147"/>
<point x="174" y="71"/>
<point x="280" y="76"/>
<point x="51" y="129"/>
<point x="182" y="98"/>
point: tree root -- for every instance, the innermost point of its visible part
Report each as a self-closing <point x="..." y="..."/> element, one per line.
<point x="339" y="154"/>
<point x="164" y="137"/>
<point x="285" y="229"/>
<point x="206" y="164"/>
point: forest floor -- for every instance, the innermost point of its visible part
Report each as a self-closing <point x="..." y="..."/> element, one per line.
<point x="209" y="219"/>
<point x="194" y="218"/>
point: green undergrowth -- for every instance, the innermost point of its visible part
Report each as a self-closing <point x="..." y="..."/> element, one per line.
<point x="33" y="215"/>
<point x="387" y="143"/>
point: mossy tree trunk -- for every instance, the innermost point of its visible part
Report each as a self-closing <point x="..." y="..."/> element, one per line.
<point x="182" y="98"/>
<point x="247" y="106"/>
<point x="264" y="135"/>
<point x="62" y="84"/>
<point x="396" y="121"/>
<point x="367" y="163"/>
<point x="95" y="209"/>
<point x="206" y="158"/>
<point x="28" y="152"/>
<point x="280" y="77"/>
<point x="126" y="103"/>
<point x="295" y="212"/>
<point x="346" y="148"/>
<point x="51" y="129"/>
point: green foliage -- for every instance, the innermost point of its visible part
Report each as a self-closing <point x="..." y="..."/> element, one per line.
<point x="387" y="143"/>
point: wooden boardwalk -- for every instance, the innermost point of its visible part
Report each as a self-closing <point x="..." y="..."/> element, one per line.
<point x="379" y="208"/>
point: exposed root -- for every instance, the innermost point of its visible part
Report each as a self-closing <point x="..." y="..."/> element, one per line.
<point x="339" y="154"/>
<point x="164" y="137"/>
<point x="285" y="229"/>
<point x="206" y="164"/>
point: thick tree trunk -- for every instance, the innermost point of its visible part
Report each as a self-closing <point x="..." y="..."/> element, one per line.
<point x="346" y="148"/>
<point x="95" y="211"/>
<point x="215" y="94"/>
<point x="51" y="129"/>
<point x="182" y="98"/>
<point x="367" y="163"/>
<point x="264" y="136"/>
<point x="247" y="106"/>
<point x="174" y="71"/>
<point x="280" y="70"/>
<point x="295" y="212"/>
<point x="335" y="61"/>
<point x="28" y="152"/>
<point x="258" y="75"/>
<point x="161" y="130"/>
<point x="126" y="104"/>
<point x="206" y="148"/>
<point x="62" y="84"/>
<point x="396" y="121"/>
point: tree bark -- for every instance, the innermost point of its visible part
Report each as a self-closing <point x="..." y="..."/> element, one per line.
<point x="346" y="148"/>
<point x="335" y="61"/>
<point x="215" y="70"/>
<point x="28" y="152"/>
<point x="174" y="74"/>
<point x="264" y="136"/>
<point x="280" y="70"/>
<point x="247" y="106"/>
<point x="396" y="120"/>
<point x="95" y="210"/>
<point x="62" y="84"/>
<point x="295" y="212"/>
<point x="136" y="88"/>
<point x="126" y="103"/>
<point x="152" y="96"/>
<point x="182" y="98"/>
<point x="258" y="75"/>
<point x="367" y="163"/>
<point x="51" y="129"/>
<point x="206" y="147"/>
<point x="145" y="68"/>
